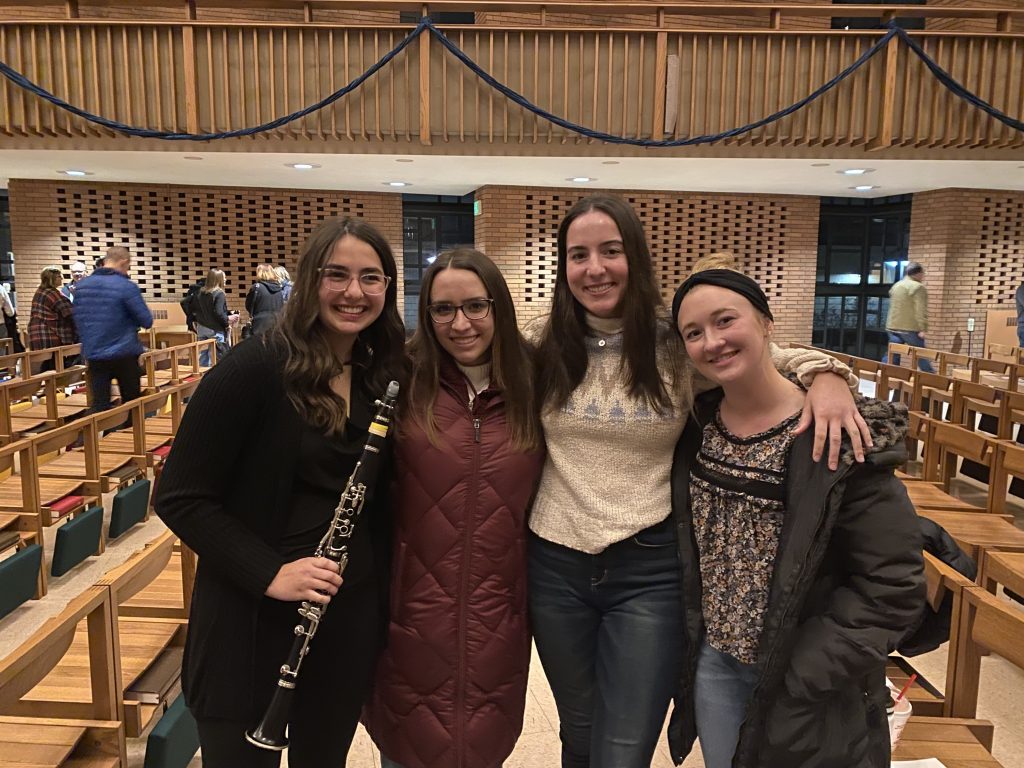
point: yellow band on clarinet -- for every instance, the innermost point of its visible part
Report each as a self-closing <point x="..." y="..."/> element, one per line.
<point x="378" y="429"/>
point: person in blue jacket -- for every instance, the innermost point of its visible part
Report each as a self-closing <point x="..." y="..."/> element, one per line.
<point x="108" y="311"/>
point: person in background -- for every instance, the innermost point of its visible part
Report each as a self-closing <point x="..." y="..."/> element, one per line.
<point x="77" y="273"/>
<point x="10" y="315"/>
<point x="188" y="305"/>
<point x="210" y="306"/>
<point x="285" y="280"/>
<point x="262" y="456"/>
<point x="798" y="580"/>
<point x="109" y="310"/>
<point x="614" y="395"/>
<point x="265" y="299"/>
<point x="1019" y="299"/>
<point x="50" y="323"/>
<point x="908" y="313"/>
<point x="451" y="686"/>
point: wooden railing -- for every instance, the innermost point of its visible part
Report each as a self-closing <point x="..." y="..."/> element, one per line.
<point x="637" y="82"/>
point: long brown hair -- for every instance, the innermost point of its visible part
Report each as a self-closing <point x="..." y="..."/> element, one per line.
<point x="379" y="350"/>
<point x="562" y="353"/>
<point x="511" y="364"/>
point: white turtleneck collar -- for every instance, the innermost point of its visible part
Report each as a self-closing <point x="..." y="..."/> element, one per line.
<point x="606" y="326"/>
<point x="478" y="376"/>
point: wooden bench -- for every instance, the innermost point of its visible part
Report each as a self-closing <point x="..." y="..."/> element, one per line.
<point x="93" y="735"/>
<point x="956" y="742"/>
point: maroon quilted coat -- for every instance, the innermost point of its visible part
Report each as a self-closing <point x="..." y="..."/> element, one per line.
<point x="451" y="684"/>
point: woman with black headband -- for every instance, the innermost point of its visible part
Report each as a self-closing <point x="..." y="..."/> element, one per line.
<point x="798" y="580"/>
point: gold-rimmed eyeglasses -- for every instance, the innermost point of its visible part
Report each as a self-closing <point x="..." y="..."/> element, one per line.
<point x="338" y="279"/>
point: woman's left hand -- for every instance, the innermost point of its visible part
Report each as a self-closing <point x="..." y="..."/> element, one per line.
<point x="831" y="408"/>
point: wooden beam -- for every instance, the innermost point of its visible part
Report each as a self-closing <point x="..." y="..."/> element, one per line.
<point x="885" y="120"/>
<point x="660" y="83"/>
<point x="188" y="50"/>
<point x="424" y="44"/>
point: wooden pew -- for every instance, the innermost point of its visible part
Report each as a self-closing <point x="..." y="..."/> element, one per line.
<point x="87" y="733"/>
<point x="1008" y="461"/>
<point x="100" y="473"/>
<point x="16" y="401"/>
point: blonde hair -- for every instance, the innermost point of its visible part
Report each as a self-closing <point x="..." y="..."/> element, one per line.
<point x="266" y="273"/>
<point x="716" y="260"/>
<point x="51" y="277"/>
<point x="214" y="281"/>
<point x="282" y="275"/>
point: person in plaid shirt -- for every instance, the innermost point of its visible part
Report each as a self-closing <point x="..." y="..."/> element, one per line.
<point x="50" y="324"/>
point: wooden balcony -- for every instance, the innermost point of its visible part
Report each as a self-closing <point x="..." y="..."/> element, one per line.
<point x="649" y="79"/>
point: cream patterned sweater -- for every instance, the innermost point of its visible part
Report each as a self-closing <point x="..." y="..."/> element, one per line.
<point x="609" y="456"/>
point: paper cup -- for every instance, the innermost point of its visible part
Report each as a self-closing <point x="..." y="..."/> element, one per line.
<point x="898" y="721"/>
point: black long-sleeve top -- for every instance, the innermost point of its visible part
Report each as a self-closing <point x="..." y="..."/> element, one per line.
<point x="211" y="310"/>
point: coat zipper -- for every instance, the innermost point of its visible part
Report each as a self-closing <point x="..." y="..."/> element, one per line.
<point x="460" y="677"/>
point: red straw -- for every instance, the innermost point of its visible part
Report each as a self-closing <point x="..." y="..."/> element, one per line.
<point x="906" y="688"/>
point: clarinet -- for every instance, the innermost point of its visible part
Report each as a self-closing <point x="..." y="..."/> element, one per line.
<point x="270" y="732"/>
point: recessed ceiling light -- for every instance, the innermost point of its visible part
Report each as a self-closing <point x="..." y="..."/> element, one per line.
<point x="73" y="172"/>
<point x="855" y="171"/>
<point x="398" y="183"/>
<point x="302" y="166"/>
<point x="403" y="159"/>
<point x="192" y="157"/>
<point x="609" y="162"/>
<point x="864" y="188"/>
<point x="581" y="179"/>
<point x="820" y="165"/>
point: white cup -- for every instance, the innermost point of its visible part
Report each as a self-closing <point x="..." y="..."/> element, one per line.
<point x="898" y="721"/>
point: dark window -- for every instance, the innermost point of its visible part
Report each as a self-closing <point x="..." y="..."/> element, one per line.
<point x="431" y="224"/>
<point x="6" y="256"/>
<point x="862" y="251"/>
<point x="875" y="22"/>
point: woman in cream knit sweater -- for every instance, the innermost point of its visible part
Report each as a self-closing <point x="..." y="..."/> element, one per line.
<point x="604" y="572"/>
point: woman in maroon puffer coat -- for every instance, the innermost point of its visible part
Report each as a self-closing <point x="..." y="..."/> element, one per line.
<point x="451" y="686"/>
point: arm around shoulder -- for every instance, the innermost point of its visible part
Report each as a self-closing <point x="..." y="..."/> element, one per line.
<point x="808" y="363"/>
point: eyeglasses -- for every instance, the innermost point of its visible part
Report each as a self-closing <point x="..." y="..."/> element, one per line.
<point x="371" y="283"/>
<point x="474" y="309"/>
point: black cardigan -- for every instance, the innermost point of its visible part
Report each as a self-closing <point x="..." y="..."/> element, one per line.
<point x="225" y="491"/>
<point x="847" y="585"/>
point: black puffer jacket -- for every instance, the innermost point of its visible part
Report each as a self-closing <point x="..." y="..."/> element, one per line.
<point x="848" y="583"/>
<point x="264" y="301"/>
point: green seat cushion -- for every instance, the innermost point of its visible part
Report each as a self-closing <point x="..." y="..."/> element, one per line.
<point x="77" y="540"/>
<point x="174" y="740"/>
<point x="18" y="576"/>
<point x="130" y="507"/>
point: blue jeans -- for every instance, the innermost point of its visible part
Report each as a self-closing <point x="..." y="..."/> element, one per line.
<point x="721" y="692"/>
<point x="913" y="338"/>
<point x="202" y="334"/>
<point x="1020" y="335"/>
<point x="608" y="629"/>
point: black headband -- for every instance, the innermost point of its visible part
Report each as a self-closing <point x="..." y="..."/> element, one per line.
<point x="723" y="278"/>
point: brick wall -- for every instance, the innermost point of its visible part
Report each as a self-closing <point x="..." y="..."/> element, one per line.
<point x="177" y="233"/>
<point x="971" y="244"/>
<point x="774" y="237"/>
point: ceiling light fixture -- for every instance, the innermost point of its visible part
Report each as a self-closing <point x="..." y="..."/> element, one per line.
<point x="855" y="171"/>
<point x="609" y="162"/>
<point x="302" y="166"/>
<point x="73" y="172"/>
<point x="820" y="165"/>
<point x="581" y="179"/>
<point x="192" y="157"/>
<point x="864" y="188"/>
<point x="398" y="183"/>
<point x="403" y="159"/>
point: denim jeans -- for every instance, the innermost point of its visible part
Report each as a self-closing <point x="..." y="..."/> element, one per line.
<point x="913" y="338"/>
<point x="608" y="629"/>
<point x="721" y="692"/>
<point x="202" y="334"/>
<point x="1020" y="335"/>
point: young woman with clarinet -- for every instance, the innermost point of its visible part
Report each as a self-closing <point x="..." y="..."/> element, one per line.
<point x="262" y="456"/>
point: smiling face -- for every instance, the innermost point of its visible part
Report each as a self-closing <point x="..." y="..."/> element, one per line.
<point x="468" y="341"/>
<point x="726" y="338"/>
<point x="346" y="312"/>
<point x="596" y="267"/>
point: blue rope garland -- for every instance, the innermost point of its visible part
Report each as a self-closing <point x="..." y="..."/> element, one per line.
<point x="149" y="133"/>
<point x="425" y="24"/>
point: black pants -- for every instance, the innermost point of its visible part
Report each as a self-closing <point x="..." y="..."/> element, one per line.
<point x="334" y="681"/>
<point x="103" y="372"/>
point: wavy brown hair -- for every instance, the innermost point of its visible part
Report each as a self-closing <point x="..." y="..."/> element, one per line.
<point x="562" y="353"/>
<point x="511" y="360"/>
<point x="378" y="353"/>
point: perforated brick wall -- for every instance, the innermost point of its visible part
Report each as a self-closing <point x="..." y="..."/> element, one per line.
<point x="971" y="243"/>
<point x="773" y="237"/>
<point x="176" y="233"/>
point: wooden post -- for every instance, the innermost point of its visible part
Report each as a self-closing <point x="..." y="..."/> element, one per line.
<point x="188" y="53"/>
<point x="307" y="13"/>
<point x="660" y="83"/>
<point x="885" y="119"/>
<point x="71" y="8"/>
<point x="424" y="43"/>
<point x="1003" y="23"/>
<point x="775" y="18"/>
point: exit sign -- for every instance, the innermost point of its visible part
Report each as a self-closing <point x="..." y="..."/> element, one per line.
<point x="477" y="208"/>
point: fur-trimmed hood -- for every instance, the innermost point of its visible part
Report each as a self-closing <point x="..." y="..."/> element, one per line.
<point x="888" y="423"/>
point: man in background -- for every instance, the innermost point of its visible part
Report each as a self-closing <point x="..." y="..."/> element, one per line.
<point x="1019" y="296"/>
<point x="908" y="313"/>
<point x="109" y="310"/>
<point x="77" y="273"/>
